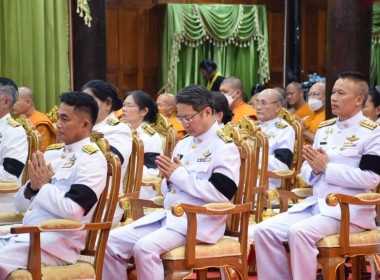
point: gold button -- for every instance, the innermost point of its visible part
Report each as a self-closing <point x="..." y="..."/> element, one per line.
<point x="193" y="146"/>
<point x="63" y="156"/>
<point x="187" y="162"/>
<point x="30" y="208"/>
<point x="168" y="207"/>
<point x="199" y="140"/>
<point x="70" y="149"/>
<point x="173" y="191"/>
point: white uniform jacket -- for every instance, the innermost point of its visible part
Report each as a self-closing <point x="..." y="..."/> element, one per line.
<point x="353" y="148"/>
<point x="119" y="137"/>
<point x="152" y="148"/>
<point x="281" y="138"/>
<point x="209" y="173"/>
<point x="80" y="176"/>
<point x="13" y="156"/>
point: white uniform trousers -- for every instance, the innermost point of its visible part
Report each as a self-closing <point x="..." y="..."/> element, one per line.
<point x="302" y="230"/>
<point x="145" y="244"/>
<point x="14" y="255"/>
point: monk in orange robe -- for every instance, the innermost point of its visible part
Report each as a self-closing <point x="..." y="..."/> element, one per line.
<point x="295" y="96"/>
<point x="166" y="106"/>
<point x="25" y="106"/>
<point x="233" y="89"/>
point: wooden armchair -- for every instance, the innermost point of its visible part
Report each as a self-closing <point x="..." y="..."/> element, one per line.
<point x="230" y="251"/>
<point x="34" y="142"/>
<point x="96" y="240"/>
<point x="290" y="178"/>
<point x="259" y="143"/>
<point x="334" y="249"/>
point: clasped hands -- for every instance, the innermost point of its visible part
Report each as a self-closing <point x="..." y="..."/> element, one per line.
<point x="317" y="158"/>
<point x="167" y="166"/>
<point x="40" y="173"/>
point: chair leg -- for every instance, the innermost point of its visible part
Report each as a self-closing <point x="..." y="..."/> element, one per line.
<point x="329" y="266"/>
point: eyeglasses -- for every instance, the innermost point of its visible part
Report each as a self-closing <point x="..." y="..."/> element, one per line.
<point x="314" y="93"/>
<point x="190" y="119"/>
<point x="129" y="105"/>
<point x="264" y="104"/>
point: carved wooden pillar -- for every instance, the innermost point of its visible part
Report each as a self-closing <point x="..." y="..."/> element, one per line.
<point x="88" y="45"/>
<point x="349" y="28"/>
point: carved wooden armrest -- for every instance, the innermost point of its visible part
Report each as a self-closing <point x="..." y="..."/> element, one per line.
<point x="154" y="182"/>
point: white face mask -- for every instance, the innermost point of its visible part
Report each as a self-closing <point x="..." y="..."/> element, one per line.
<point x="315" y="104"/>
<point x="229" y="99"/>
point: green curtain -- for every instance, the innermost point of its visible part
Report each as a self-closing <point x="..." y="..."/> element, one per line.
<point x="234" y="36"/>
<point x="34" y="47"/>
<point x="375" y="50"/>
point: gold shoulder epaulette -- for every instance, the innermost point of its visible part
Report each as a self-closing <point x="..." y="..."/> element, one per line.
<point x="148" y="129"/>
<point x="224" y="136"/>
<point x="281" y="125"/>
<point x="257" y="122"/>
<point x="369" y="124"/>
<point x="328" y="122"/>
<point x="187" y="135"/>
<point x="13" y="122"/>
<point x="112" y="121"/>
<point x="55" y="146"/>
<point x="89" y="149"/>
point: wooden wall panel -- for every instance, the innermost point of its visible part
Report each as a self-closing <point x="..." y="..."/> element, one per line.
<point x="133" y="40"/>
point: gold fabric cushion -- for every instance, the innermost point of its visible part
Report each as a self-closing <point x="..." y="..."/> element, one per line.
<point x="219" y="206"/>
<point x="80" y="270"/>
<point x="283" y="172"/>
<point x="224" y="247"/>
<point x="9" y="186"/>
<point x="56" y="225"/>
<point x="159" y="200"/>
<point x="6" y="218"/>
<point x="368" y="237"/>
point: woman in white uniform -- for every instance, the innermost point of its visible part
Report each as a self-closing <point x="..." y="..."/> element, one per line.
<point x="118" y="134"/>
<point x="139" y="109"/>
<point x="372" y="106"/>
<point x="223" y="113"/>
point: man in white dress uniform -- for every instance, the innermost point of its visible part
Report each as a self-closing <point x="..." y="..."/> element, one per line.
<point x="343" y="159"/>
<point x="204" y="169"/>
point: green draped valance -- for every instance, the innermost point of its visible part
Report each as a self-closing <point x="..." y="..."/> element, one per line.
<point x="375" y="49"/>
<point x="221" y="26"/>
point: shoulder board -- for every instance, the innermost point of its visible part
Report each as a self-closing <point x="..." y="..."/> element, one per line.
<point x="281" y="125"/>
<point x="148" y="129"/>
<point x="112" y="121"/>
<point x="328" y="122"/>
<point x="187" y="135"/>
<point x="89" y="149"/>
<point x="13" y="122"/>
<point x="257" y="122"/>
<point x="224" y="136"/>
<point x="369" y="124"/>
<point x="55" y="146"/>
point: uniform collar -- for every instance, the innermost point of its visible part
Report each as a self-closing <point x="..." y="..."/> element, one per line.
<point x="111" y="115"/>
<point x="350" y="122"/>
<point x="77" y="145"/>
<point x="270" y="122"/>
<point x="211" y="131"/>
<point x="5" y="117"/>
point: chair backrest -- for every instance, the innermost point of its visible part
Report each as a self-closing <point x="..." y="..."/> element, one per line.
<point x="297" y="126"/>
<point x="53" y="114"/>
<point x="168" y="134"/>
<point x="105" y="209"/>
<point x="133" y="176"/>
<point x="34" y="144"/>
<point x="248" y="169"/>
<point x="259" y="142"/>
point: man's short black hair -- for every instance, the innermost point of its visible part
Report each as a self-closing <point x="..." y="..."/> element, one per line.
<point x="197" y="96"/>
<point x="81" y="102"/>
<point x="8" y="82"/>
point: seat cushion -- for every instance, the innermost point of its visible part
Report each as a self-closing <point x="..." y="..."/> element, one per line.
<point x="224" y="247"/>
<point x="368" y="237"/>
<point x="80" y="270"/>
